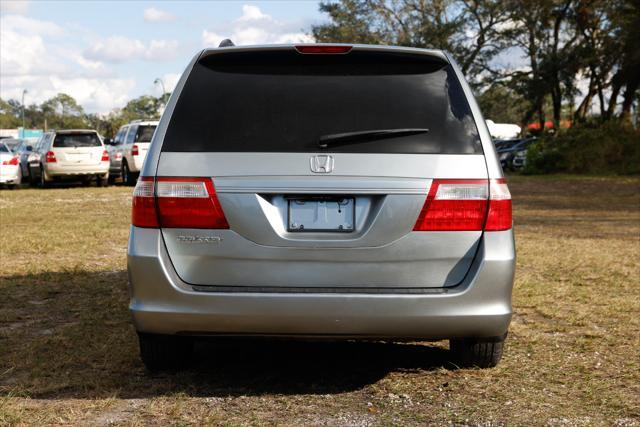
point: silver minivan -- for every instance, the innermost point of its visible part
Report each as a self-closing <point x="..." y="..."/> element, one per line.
<point x="322" y="191"/>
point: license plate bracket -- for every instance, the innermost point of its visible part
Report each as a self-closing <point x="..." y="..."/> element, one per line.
<point x="321" y="214"/>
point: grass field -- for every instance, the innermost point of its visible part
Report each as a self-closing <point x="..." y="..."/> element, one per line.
<point x="68" y="351"/>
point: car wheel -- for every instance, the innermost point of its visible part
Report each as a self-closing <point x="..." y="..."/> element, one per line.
<point x="127" y="177"/>
<point x="43" y="178"/>
<point x="102" y="180"/>
<point x="164" y="352"/>
<point x="477" y="352"/>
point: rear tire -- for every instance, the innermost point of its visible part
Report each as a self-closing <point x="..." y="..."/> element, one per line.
<point x="127" y="176"/>
<point x="102" y="180"/>
<point x="477" y="352"/>
<point x="164" y="352"/>
<point x="43" y="183"/>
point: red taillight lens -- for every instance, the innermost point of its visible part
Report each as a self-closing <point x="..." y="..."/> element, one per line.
<point x="105" y="156"/>
<point x="143" y="207"/>
<point x="466" y="205"/>
<point x="177" y="203"/>
<point x="454" y="205"/>
<point x="499" y="217"/>
<point x="189" y="203"/>
<point x="134" y="150"/>
<point x="13" y="162"/>
<point x="323" y="49"/>
<point x="51" y="157"/>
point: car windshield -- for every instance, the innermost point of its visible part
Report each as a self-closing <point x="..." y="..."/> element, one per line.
<point x="145" y="133"/>
<point x="69" y="140"/>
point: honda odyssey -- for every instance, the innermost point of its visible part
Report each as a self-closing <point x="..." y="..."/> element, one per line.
<point x="321" y="191"/>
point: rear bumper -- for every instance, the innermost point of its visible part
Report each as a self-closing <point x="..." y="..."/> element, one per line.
<point x="76" y="170"/>
<point x="10" y="175"/>
<point x="480" y="306"/>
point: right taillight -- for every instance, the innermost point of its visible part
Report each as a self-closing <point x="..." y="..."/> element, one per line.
<point x="50" y="157"/>
<point x="177" y="203"/>
<point x="466" y="205"/>
<point x="135" y="151"/>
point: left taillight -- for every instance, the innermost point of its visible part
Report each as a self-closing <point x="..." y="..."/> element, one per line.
<point x="105" y="156"/>
<point x="13" y="162"/>
<point x="177" y="203"/>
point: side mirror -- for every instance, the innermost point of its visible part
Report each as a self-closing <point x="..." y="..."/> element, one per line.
<point x="29" y="148"/>
<point x="109" y="141"/>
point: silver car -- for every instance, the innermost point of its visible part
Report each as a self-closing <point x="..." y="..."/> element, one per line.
<point x="321" y="191"/>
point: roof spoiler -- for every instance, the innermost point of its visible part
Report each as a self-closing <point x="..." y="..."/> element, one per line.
<point x="226" y="43"/>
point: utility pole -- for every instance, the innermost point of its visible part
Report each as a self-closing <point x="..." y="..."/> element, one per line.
<point x="159" y="81"/>
<point x="24" y="91"/>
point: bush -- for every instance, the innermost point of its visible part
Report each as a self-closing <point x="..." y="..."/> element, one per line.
<point x="592" y="148"/>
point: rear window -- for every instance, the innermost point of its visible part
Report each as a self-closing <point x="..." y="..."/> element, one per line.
<point x="283" y="101"/>
<point x="66" y="140"/>
<point x="145" y="133"/>
<point x="4" y="149"/>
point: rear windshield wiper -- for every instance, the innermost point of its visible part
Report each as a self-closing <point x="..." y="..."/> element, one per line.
<point x="337" y="139"/>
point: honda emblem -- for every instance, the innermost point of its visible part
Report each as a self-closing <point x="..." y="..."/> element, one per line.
<point x="322" y="164"/>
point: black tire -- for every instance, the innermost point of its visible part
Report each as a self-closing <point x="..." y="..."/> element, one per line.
<point x="164" y="352"/>
<point x="127" y="176"/>
<point x="102" y="181"/>
<point x="42" y="183"/>
<point x="477" y="352"/>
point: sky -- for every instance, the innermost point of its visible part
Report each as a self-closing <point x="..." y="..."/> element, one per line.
<point x="104" y="53"/>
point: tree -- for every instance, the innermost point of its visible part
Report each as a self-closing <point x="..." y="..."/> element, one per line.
<point x="63" y="112"/>
<point x="469" y="29"/>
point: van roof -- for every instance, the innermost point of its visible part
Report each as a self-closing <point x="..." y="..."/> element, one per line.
<point x="437" y="53"/>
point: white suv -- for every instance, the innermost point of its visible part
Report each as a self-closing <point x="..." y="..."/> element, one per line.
<point x="69" y="154"/>
<point x="129" y="149"/>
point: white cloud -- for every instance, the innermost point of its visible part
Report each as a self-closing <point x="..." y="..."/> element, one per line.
<point x="152" y="14"/>
<point x="118" y="49"/>
<point x="32" y="57"/>
<point x="256" y="27"/>
<point x="12" y="6"/>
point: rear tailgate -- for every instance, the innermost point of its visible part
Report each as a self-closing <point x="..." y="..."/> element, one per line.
<point x="266" y="165"/>
<point x="78" y="149"/>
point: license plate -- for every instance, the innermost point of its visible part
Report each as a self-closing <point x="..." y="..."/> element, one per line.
<point x="321" y="214"/>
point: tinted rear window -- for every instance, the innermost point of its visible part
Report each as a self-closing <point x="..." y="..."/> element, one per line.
<point x="4" y="149"/>
<point x="145" y="133"/>
<point x="76" y="140"/>
<point x="283" y="101"/>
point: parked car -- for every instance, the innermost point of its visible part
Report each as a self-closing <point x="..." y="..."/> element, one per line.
<point x="128" y="150"/>
<point x="12" y="143"/>
<point x="9" y="167"/>
<point x="356" y="196"/>
<point x="77" y="154"/>
<point x="23" y="150"/>
<point x="507" y="153"/>
<point x="502" y="144"/>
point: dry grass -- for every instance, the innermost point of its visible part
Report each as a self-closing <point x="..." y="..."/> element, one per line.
<point x="68" y="353"/>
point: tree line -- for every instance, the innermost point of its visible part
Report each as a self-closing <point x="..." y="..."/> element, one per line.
<point x="562" y="42"/>
<point x="63" y="112"/>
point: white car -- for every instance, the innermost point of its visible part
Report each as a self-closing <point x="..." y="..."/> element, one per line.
<point x="129" y="149"/>
<point x="75" y="154"/>
<point x="10" y="173"/>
